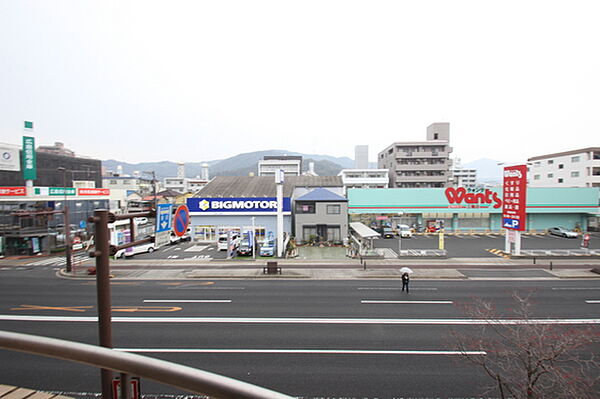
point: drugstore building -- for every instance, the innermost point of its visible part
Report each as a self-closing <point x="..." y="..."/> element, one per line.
<point x="471" y="210"/>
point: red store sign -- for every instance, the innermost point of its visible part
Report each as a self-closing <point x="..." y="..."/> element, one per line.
<point x="460" y="195"/>
<point x="93" y="191"/>
<point x="12" y="191"/>
<point x="514" y="197"/>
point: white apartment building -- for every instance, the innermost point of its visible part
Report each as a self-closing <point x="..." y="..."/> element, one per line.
<point x="184" y="184"/>
<point x="463" y="177"/>
<point x="421" y="164"/>
<point x="577" y="168"/>
<point x="364" y="178"/>
<point x="291" y="165"/>
<point x="121" y="187"/>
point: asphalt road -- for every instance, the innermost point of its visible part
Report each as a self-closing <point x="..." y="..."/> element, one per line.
<point x="342" y="339"/>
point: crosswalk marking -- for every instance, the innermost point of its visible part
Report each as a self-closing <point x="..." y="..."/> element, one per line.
<point x="60" y="260"/>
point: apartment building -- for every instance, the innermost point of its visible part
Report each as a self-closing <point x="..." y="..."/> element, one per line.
<point x="364" y="178"/>
<point x="576" y="168"/>
<point x="463" y="177"/>
<point x="421" y="164"/>
<point x="291" y="165"/>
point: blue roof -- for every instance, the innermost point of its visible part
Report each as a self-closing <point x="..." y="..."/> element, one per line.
<point x="321" y="194"/>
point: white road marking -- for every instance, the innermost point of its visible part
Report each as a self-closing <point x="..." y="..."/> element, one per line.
<point x="593" y="301"/>
<point x="299" y="351"/>
<point x="187" y="300"/>
<point x="173" y="257"/>
<point x="395" y="288"/>
<point x="298" y="320"/>
<point x="410" y="302"/>
<point x="196" y="248"/>
<point x="575" y="288"/>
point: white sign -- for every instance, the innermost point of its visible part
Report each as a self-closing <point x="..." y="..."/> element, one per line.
<point x="162" y="238"/>
<point x="9" y="159"/>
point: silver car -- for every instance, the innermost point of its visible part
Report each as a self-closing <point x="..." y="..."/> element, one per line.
<point x="562" y="232"/>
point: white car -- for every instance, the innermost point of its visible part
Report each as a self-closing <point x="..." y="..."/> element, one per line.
<point x="138" y="249"/>
<point x="404" y="231"/>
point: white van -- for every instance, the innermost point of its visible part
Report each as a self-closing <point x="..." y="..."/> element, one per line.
<point x="404" y="231"/>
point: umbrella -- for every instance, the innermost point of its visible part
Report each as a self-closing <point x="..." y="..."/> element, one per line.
<point x="406" y="270"/>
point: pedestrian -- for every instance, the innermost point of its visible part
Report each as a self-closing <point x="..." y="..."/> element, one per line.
<point x="405" y="280"/>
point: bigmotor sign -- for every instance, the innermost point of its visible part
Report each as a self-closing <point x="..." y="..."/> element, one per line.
<point x="237" y="205"/>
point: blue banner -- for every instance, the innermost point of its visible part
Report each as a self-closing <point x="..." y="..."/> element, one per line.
<point x="237" y="205"/>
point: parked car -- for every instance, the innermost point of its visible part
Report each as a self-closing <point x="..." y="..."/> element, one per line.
<point x="388" y="232"/>
<point x="267" y="249"/>
<point x="245" y="248"/>
<point x="562" y="232"/>
<point x="138" y="249"/>
<point x="404" y="231"/>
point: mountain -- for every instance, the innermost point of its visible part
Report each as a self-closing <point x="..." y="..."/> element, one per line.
<point x="239" y="165"/>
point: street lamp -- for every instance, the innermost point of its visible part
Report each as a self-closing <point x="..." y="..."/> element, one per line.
<point x="67" y="229"/>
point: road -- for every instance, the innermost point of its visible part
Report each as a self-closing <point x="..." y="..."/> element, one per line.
<point x="349" y="339"/>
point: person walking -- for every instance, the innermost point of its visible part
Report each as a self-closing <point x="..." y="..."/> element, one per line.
<point x="405" y="280"/>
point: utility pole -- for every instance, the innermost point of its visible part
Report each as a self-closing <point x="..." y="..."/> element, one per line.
<point x="68" y="254"/>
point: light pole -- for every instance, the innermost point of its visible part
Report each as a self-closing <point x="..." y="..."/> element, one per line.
<point x="67" y="228"/>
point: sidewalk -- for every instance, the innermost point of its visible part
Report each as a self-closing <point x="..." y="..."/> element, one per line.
<point x="458" y="269"/>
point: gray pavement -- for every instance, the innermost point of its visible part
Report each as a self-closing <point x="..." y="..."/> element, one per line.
<point x="466" y="268"/>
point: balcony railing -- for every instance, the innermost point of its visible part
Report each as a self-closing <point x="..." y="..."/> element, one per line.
<point x="176" y="375"/>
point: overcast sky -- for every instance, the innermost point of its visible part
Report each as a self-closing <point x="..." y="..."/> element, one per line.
<point x="198" y="81"/>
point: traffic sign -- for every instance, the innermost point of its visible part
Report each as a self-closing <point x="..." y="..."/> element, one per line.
<point x="181" y="220"/>
<point x="163" y="217"/>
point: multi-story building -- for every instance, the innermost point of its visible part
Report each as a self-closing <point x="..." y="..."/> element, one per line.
<point x="361" y="157"/>
<point x="577" y="168"/>
<point x="291" y="165"/>
<point x="183" y="184"/>
<point x="463" y="177"/>
<point x="364" y="178"/>
<point x="122" y="187"/>
<point x="421" y="164"/>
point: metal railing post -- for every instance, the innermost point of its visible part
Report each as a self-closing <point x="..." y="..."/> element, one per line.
<point x="102" y="256"/>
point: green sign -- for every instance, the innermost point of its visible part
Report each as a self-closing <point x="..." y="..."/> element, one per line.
<point x="28" y="125"/>
<point x="29" y="163"/>
<point x="61" y="191"/>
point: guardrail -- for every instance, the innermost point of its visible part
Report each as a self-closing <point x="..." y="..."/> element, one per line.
<point x="173" y="374"/>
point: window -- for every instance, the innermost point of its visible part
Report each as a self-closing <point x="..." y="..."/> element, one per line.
<point x="536" y="177"/>
<point x="561" y="166"/>
<point x="550" y="175"/>
<point x="536" y="164"/>
<point x="560" y="180"/>
<point x="575" y="159"/>
<point x="550" y="162"/>
<point x="574" y="174"/>
<point x="305" y="207"/>
<point x="333" y="209"/>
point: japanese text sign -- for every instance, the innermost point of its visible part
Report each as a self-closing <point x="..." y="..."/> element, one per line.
<point x="514" y="197"/>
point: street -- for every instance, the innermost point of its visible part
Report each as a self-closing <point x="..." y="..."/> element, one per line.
<point x="352" y="339"/>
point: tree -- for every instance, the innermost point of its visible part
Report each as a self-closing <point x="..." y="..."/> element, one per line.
<point x="531" y="358"/>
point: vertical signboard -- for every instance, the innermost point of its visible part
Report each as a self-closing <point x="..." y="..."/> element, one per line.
<point x="29" y="162"/>
<point x="514" y="197"/>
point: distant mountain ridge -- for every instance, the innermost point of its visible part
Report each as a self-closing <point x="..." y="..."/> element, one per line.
<point x="238" y="165"/>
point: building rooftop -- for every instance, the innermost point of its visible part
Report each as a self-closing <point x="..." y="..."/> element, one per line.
<point x="263" y="186"/>
<point x="562" y="154"/>
<point x="321" y="194"/>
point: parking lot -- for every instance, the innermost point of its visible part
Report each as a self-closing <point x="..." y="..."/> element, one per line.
<point x="483" y="245"/>
<point x="457" y="246"/>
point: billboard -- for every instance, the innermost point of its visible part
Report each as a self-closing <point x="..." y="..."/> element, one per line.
<point x="514" y="198"/>
<point x="9" y="159"/>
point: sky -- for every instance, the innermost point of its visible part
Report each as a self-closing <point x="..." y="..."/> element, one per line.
<point x="191" y="81"/>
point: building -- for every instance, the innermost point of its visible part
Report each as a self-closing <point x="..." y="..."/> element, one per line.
<point x="183" y="184"/>
<point x="57" y="149"/>
<point x="236" y="203"/>
<point x="471" y="210"/>
<point x="361" y="157"/>
<point x="122" y="188"/>
<point x="364" y="178"/>
<point x="463" y="177"/>
<point x="76" y="169"/>
<point x="320" y="216"/>
<point x="422" y="164"/>
<point x="577" y="168"/>
<point x="291" y="165"/>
